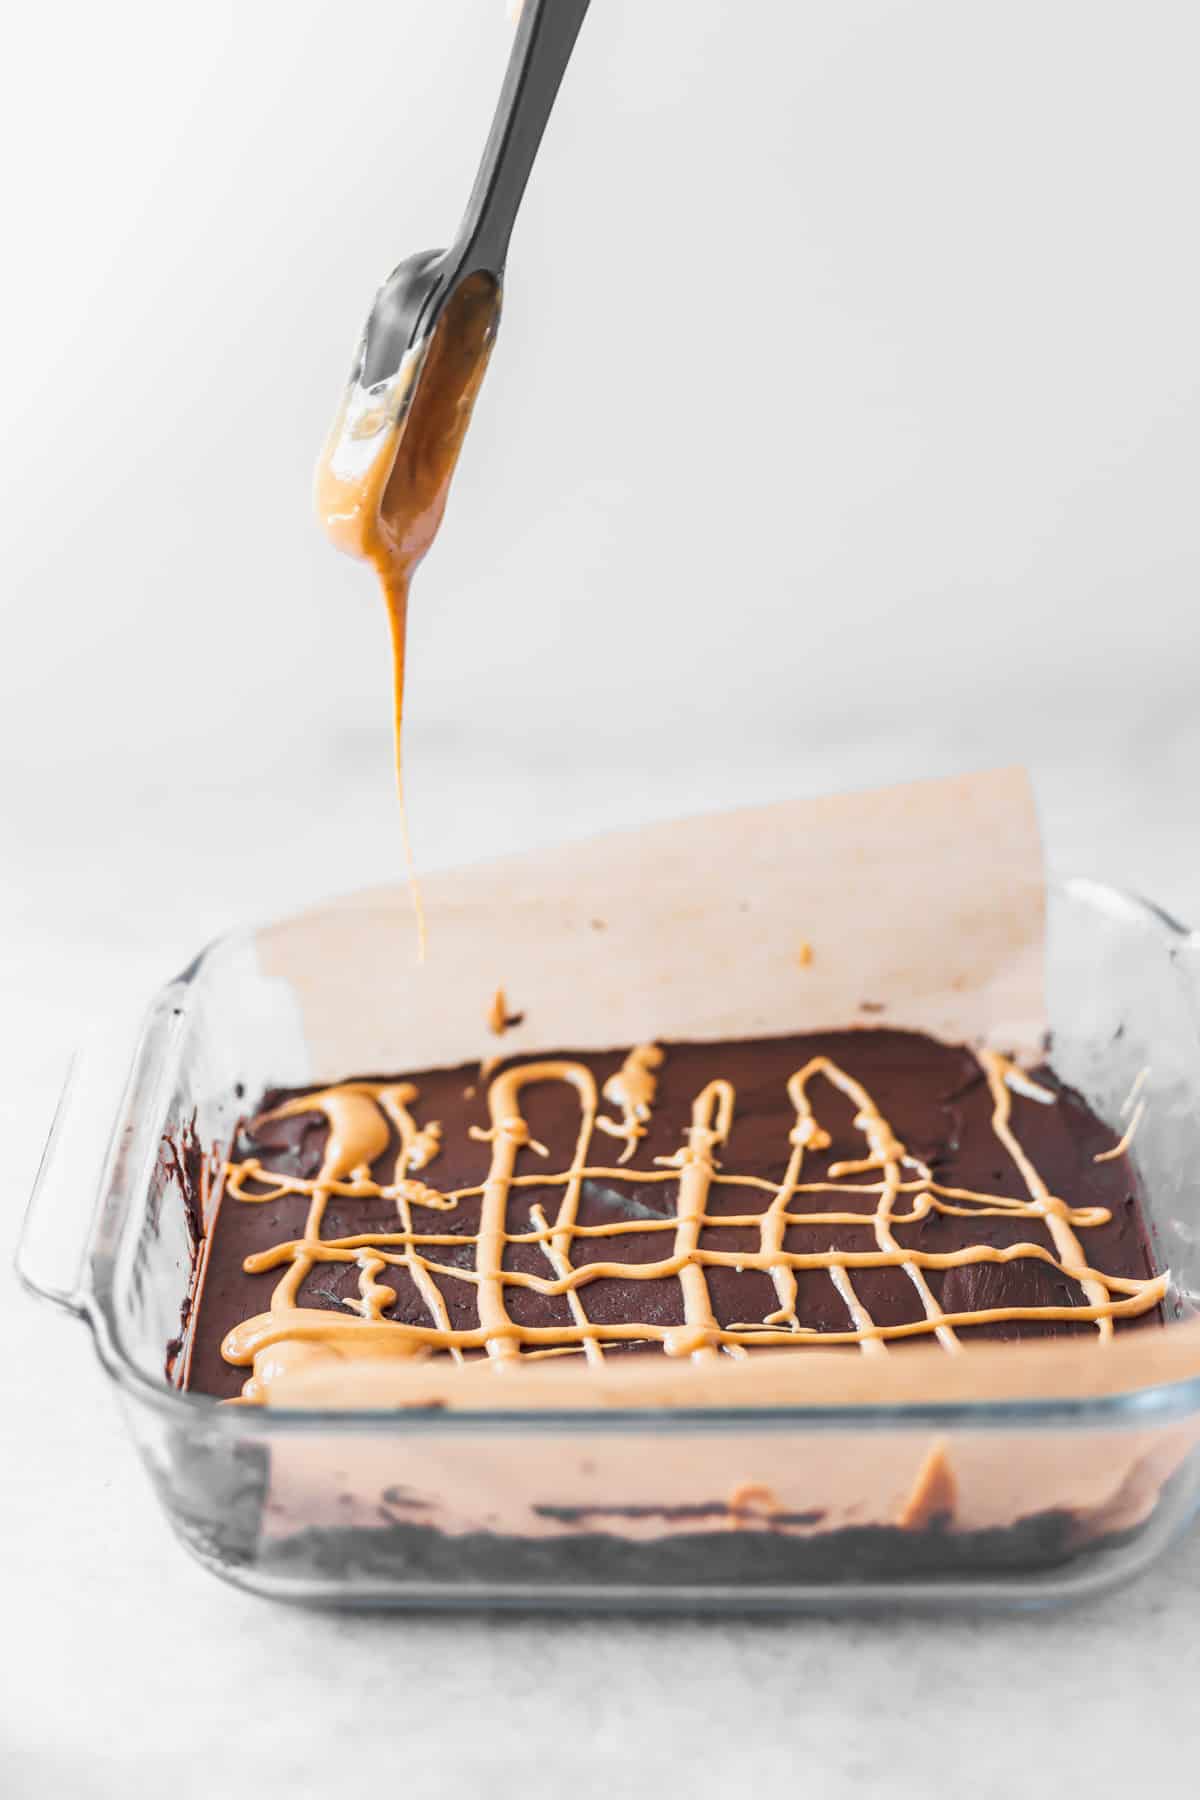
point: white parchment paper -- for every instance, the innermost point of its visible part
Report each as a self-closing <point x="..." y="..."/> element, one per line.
<point x="922" y="906"/>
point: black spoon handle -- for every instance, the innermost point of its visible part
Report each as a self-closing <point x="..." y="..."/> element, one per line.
<point x="545" y="39"/>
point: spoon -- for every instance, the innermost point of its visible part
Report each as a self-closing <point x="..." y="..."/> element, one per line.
<point x="386" y="375"/>
<point x="385" y="472"/>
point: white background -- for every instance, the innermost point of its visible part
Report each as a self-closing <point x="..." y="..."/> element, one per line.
<point x="843" y="426"/>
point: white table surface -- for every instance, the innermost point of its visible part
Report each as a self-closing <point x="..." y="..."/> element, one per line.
<point x="937" y="512"/>
<point x="126" y="1669"/>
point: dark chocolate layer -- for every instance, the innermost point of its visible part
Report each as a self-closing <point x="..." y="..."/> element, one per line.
<point x="934" y="1096"/>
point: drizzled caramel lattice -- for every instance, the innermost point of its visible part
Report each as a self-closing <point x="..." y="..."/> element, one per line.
<point x="904" y="1191"/>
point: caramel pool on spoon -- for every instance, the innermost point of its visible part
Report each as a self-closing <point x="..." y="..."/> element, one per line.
<point x="385" y="472"/>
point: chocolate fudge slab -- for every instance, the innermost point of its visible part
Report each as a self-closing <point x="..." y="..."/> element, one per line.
<point x="935" y="1098"/>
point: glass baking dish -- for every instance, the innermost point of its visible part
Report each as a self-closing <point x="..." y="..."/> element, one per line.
<point x="1071" y="1474"/>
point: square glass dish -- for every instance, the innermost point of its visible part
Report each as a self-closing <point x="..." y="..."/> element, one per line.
<point x="1071" y="1468"/>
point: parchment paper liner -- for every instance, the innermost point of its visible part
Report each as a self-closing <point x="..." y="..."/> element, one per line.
<point x="925" y="900"/>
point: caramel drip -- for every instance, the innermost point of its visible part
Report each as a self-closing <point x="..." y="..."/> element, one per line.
<point x="752" y="1502"/>
<point x="1133" y="1107"/>
<point x="632" y="1088"/>
<point x="395" y="598"/>
<point x="934" y="1494"/>
<point x="1139" y="1082"/>
<point x="384" y="475"/>
<point x="1120" y="1148"/>
<point x="497" y="1014"/>
<point x="358" y="1115"/>
<point x="418" y="1145"/>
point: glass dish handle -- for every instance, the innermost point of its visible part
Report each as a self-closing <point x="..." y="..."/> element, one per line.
<point x="55" y="1243"/>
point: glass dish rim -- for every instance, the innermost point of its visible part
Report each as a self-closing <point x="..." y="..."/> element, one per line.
<point x="1157" y="1403"/>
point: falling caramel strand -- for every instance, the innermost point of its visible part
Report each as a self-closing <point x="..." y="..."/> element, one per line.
<point x="384" y="475"/>
<point x="359" y="1114"/>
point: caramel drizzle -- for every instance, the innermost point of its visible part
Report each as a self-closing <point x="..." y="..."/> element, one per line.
<point x="384" y="476"/>
<point x="632" y="1088"/>
<point x="497" y="1014"/>
<point x="1121" y="1147"/>
<point x="934" y="1494"/>
<point x="357" y="1114"/>
<point x="1055" y="1212"/>
<point x="712" y="1120"/>
<point x="1136" y="1100"/>
<point x="751" y="1503"/>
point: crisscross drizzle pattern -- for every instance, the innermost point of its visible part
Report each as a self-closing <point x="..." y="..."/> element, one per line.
<point x="903" y="1188"/>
